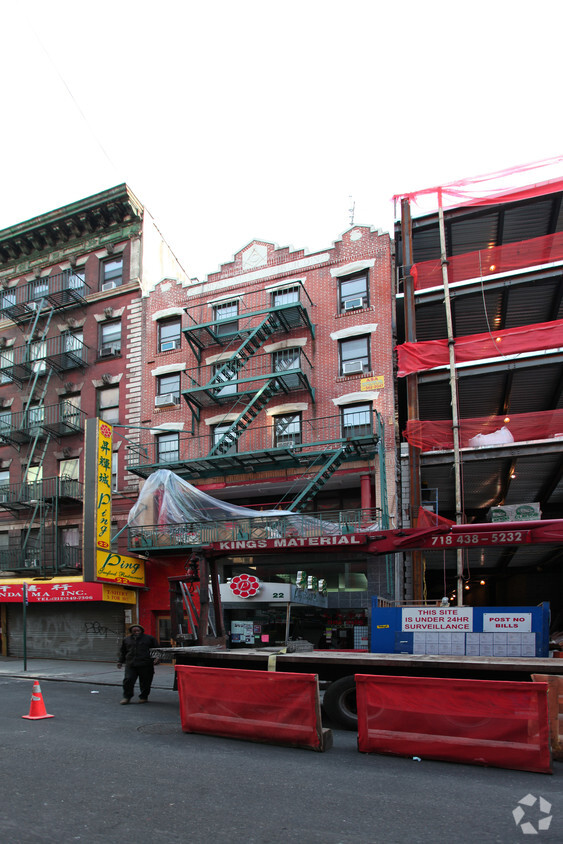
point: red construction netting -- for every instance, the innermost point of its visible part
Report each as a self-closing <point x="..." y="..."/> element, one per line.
<point x="417" y="357"/>
<point x="487" y="262"/>
<point x="267" y="706"/>
<point x="429" y="435"/>
<point x="482" y="722"/>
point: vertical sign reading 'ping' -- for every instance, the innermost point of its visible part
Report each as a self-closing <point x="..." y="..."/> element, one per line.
<point x="103" y="486"/>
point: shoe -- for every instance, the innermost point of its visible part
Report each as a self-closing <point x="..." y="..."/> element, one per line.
<point x="125" y="700"/>
<point x="143" y="700"/>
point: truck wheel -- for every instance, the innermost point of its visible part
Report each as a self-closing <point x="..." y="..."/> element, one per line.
<point x="339" y="703"/>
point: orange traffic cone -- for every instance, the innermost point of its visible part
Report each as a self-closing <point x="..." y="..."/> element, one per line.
<point x="37" y="709"/>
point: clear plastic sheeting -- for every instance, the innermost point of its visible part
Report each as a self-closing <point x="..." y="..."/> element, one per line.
<point x="166" y="499"/>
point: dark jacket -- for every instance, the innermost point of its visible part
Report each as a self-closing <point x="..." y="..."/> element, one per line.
<point x="136" y="650"/>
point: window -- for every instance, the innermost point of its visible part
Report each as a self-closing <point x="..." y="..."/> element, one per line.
<point x="114" y="470"/>
<point x="217" y="433"/>
<point x="76" y="280"/>
<point x="285" y="296"/>
<point x="225" y="314"/>
<point x="35" y="418"/>
<point x="354" y="356"/>
<point x="167" y="448"/>
<point x="356" y="421"/>
<point x="4" y="484"/>
<point x="169" y="334"/>
<point x="69" y="410"/>
<point x="37" y="353"/>
<point x="70" y="547"/>
<point x="5" y="421"/>
<point x="6" y="363"/>
<point x="169" y="385"/>
<point x="224" y="374"/>
<point x="110" y="338"/>
<point x="287" y="430"/>
<point x="74" y="343"/>
<point x="39" y="289"/>
<point x="68" y="469"/>
<point x="285" y="359"/>
<point x="108" y="404"/>
<point x="353" y="292"/>
<point x="8" y="300"/>
<point x="111" y="273"/>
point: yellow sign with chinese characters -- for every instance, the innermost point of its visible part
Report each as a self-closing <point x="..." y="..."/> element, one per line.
<point x="103" y="486"/>
<point x="119" y="569"/>
<point x="118" y="594"/>
<point x="375" y="383"/>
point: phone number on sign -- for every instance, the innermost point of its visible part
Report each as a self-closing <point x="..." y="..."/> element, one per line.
<point x="501" y="537"/>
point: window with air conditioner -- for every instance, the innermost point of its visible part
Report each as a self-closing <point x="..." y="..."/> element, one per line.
<point x="287" y="430"/>
<point x="167" y="389"/>
<point x="353" y="292"/>
<point x="169" y="334"/>
<point x="225" y="315"/>
<point x="111" y="273"/>
<point x="356" y="420"/>
<point x="110" y="339"/>
<point x="354" y="355"/>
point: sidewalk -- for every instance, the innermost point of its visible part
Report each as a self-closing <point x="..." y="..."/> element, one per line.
<point x="77" y="671"/>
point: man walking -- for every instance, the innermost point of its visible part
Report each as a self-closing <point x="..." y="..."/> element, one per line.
<point x="135" y="653"/>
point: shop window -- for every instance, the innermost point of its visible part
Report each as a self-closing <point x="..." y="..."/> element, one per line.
<point x="354" y="355"/>
<point x="225" y="315"/>
<point x="110" y="339"/>
<point x="217" y="433"/>
<point x="167" y="448"/>
<point x="353" y="292"/>
<point x="169" y="334"/>
<point x="111" y="273"/>
<point x="108" y="404"/>
<point x="287" y="430"/>
<point x="356" y="420"/>
<point x="285" y="296"/>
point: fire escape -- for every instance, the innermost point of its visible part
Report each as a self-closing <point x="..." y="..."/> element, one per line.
<point x="37" y="501"/>
<point x="245" y="360"/>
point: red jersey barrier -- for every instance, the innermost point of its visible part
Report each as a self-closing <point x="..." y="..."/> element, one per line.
<point x="483" y="722"/>
<point x="274" y="707"/>
<point x="555" y="709"/>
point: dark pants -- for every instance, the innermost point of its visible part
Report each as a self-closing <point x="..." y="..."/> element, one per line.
<point x="145" y="673"/>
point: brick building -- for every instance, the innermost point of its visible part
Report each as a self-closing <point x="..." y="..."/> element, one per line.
<point x="70" y="349"/>
<point x="270" y="385"/>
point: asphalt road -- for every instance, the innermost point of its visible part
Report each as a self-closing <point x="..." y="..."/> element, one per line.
<point x="100" y="772"/>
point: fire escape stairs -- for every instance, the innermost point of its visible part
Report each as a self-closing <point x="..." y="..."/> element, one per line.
<point x="245" y="351"/>
<point x="323" y="475"/>
<point x="248" y="415"/>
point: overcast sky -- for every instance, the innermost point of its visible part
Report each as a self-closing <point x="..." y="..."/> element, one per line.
<point x="233" y="120"/>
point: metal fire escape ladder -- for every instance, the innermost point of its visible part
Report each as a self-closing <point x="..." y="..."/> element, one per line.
<point x="245" y="351"/>
<point x="323" y="475"/>
<point x="248" y="415"/>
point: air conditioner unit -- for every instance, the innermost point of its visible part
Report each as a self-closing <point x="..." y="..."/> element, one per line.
<point x="34" y="306"/>
<point x="169" y="344"/>
<point x="106" y="351"/>
<point x="354" y="304"/>
<point x="166" y="399"/>
<point x="352" y="366"/>
<point x="109" y="285"/>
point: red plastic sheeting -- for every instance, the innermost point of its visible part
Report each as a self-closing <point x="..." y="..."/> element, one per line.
<point x="482" y="722"/>
<point x="274" y="707"/>
<point x="429" y="435"/>
<point x="417" y="357"/>
<point x="488" y="262"/>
